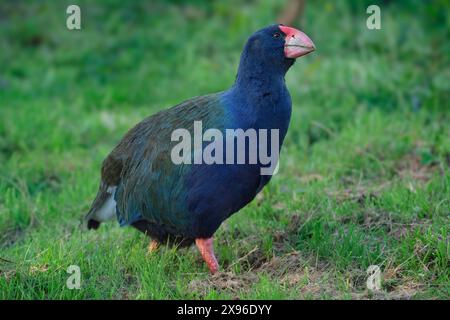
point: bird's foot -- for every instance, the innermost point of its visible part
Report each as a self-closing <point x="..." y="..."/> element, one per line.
<point x="206" y="248"/>
<point x="153" y="246"/>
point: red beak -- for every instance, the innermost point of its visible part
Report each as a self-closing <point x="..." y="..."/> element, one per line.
<point x="297" y="43"/>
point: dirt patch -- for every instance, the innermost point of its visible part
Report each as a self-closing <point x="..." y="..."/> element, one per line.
<point x="418" y="167"/>
<point x="358" y="194"/>
<point x="223" y="282"/>
<point x="288" y="235"/>
<point x="406" y="291"/>
<point x="283" y="265"/>
<point x="8" y="274"/>
<point x="7" y="268"/>
<point x="11" y="236"/>
<point x="290" y="270"/>
<point x="310" y="278"/>
<point x="295" y="271"/>
<point x="414" y="165"/>
<point x="394" y="227"/>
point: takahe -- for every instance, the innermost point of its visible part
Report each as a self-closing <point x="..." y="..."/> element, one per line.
<point x="183" y="203"/>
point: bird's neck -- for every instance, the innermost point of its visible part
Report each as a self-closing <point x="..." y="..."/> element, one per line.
<point x="259" y="96"/>
<point x="254" y="82"/>
<point x="260" y="99"/>
<point x="257" y="78"/>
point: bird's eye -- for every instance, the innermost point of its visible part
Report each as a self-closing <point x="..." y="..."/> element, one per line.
<point x="276" y="35"/>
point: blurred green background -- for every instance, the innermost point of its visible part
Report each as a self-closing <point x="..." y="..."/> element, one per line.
<point x="364" y="176"/>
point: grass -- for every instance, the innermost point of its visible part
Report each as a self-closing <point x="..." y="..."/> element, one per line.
<point x="364" y="176"/>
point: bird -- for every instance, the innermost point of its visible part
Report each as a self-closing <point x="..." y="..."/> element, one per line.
<point x="185" y="203"/>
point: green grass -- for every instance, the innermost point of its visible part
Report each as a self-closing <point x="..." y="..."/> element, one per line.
<point x="364" y="176"/>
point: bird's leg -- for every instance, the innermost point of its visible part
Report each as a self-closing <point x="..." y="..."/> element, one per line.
<point x="153" y="246"/>
<point x="205" y="246"/>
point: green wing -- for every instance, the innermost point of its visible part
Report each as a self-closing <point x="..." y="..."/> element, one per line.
<point x="149" y="184"/>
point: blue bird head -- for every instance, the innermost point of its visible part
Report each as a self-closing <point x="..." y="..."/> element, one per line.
<point x="274" y="49"/>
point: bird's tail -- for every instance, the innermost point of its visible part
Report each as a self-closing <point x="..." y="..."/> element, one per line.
<point x="92" y="224"/>
<point x="103" y="207"/>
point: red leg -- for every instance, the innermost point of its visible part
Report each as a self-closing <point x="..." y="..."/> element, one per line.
<point x="205" y="246"/>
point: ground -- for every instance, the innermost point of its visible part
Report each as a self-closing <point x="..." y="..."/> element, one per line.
<point x="364" y="176"/>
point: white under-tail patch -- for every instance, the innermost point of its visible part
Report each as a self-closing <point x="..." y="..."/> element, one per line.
<point x="108" y="210"/>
